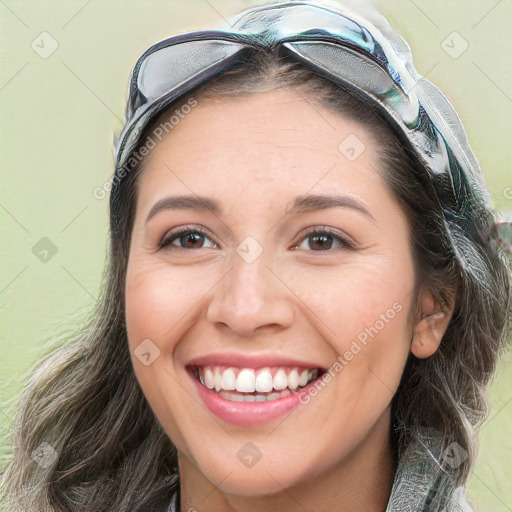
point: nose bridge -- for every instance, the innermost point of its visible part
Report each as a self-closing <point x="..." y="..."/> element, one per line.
<point x="250" y="295"/>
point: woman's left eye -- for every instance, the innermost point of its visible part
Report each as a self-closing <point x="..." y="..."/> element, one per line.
<point x="322" y="239"/>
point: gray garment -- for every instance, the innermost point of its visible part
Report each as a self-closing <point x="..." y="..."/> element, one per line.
<point x="421" y="483"/>
<point x="424" y="481"/>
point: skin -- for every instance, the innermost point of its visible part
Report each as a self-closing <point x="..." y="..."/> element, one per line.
<point x="255" y="155"/>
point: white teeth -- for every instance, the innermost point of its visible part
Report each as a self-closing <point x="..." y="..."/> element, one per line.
<point x="293" y="379"/>
<point x="280" y="380"/>
<point x="303" y="378"/>
<point x="246" y="382"/>
<point x="264" y="381"/>
<point x="218" y="379"/>
<point x="233" y="396"/>
<point x="249" y="380"/>
<point x="209" y="379"/>
<point x="228" y="379"/>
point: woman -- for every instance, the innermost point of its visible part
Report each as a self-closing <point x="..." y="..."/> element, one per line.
<point x="303" y="303"/>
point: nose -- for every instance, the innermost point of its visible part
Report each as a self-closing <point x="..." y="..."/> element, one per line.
<point x="250" y="298"/>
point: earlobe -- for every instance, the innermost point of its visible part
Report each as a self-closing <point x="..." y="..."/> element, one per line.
<point x="430" y="327"/>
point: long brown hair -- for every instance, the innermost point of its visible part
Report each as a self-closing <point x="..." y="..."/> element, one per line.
<point x="84" y="401"/>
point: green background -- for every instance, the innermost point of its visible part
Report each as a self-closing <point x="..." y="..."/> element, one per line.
<point x="59" y="115"/>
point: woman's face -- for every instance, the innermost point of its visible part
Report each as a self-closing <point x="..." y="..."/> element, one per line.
<point x="259" y="297"/>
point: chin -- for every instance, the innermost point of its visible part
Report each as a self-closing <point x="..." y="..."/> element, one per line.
<point x="257" y="483"/>
<point x="265" y="477"/>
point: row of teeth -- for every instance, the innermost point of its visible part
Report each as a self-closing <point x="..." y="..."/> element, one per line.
<point x="248" y="380"/>
<point x="246" y="397"/>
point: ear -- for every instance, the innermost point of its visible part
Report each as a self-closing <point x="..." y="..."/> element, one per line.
<point x="430" y="325"/>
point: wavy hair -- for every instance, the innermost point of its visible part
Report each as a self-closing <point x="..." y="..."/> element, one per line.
<point x="84" y="400"/>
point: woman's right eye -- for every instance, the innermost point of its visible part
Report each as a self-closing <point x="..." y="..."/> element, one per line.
<point x="184" y="239"/>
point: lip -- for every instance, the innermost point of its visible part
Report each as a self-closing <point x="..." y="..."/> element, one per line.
<point x="247" y="414"/>
<point x="239" y="360"/>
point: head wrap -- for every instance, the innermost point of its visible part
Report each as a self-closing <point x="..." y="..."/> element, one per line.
<point x="361" y="54"/>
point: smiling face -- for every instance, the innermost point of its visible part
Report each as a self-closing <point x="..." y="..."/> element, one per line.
<point x="268" y="288"/>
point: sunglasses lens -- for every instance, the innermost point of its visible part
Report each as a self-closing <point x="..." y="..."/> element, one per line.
<point x="168" y="68"/>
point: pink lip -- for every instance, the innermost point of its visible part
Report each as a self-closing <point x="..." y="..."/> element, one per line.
<point x="246" y="414"/>
<point x="239" y="360"/>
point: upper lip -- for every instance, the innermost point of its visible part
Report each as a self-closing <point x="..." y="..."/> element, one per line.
<point x="257" y="360"/>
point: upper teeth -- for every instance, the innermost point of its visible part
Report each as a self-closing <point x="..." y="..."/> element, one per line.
<point x="249" y="380"/>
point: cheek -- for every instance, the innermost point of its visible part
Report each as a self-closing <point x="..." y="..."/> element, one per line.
<point x="362" y="310"/>
<point x="348" y="299"/>
<point x="159" y="300"/>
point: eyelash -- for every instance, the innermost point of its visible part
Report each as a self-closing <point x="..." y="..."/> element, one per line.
<point x="170" y="237"/>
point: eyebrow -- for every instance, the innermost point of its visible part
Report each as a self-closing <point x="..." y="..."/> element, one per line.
<point x="198" y="203"/>
<point x="302" y="204"/>
<point x="314" y="202"/>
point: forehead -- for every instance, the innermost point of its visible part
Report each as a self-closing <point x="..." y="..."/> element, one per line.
<point x="273" y="138"/>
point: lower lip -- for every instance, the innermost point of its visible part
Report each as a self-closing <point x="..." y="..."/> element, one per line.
<point x="246" y="414"/>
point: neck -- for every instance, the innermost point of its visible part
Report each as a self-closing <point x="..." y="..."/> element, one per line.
<point x="361" y="483"/>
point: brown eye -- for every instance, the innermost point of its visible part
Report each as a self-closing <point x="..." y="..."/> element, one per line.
<point x="322" y="240"/>
<point x="186" y="239"/>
